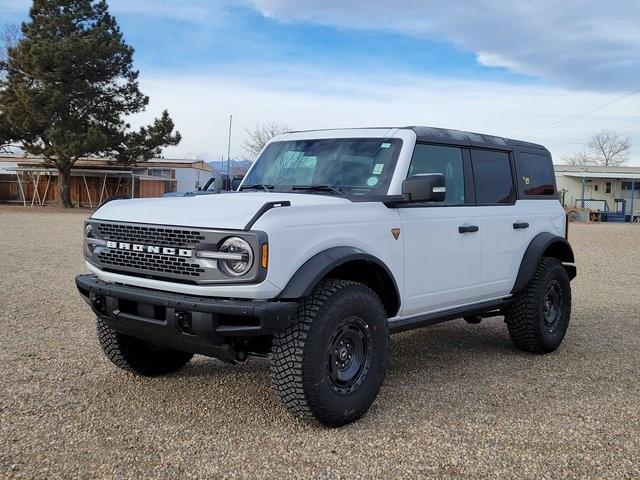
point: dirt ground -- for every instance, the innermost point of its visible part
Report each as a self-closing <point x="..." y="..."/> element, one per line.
<point x="458" y="400"/>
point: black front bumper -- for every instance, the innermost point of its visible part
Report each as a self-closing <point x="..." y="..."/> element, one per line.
<point x="196" y="324"/>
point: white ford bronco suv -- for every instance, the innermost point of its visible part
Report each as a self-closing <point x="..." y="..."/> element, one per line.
<point x="334" y="240"/>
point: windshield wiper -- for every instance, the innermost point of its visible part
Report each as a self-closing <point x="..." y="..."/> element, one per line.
<point x="257" y="186"/>
<point x="317" y="188"/>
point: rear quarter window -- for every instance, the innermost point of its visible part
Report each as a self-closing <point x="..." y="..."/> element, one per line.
<point x="492" y="177"/>
<point x="535" y="175"/>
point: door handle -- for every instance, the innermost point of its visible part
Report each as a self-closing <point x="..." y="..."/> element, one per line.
<point x="468" y="228"/>
<point x="519" y="225"/>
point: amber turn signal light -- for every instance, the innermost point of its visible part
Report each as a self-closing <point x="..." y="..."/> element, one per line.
<point x="264" y="255"/>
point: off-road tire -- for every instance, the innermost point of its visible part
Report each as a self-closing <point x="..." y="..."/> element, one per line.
<point x="301" y="366"/>
<point x="137" y="356"/>
<point x="525" y="318"/>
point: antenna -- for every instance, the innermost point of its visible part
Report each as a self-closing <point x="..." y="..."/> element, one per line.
<point x="229" y="150"/>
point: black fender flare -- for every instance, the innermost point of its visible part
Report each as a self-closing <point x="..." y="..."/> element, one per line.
<point x="317" y="267"/>
<point x="541" y="245"/>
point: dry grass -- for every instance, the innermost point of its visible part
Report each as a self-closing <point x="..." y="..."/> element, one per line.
<point x="458" y="400"/>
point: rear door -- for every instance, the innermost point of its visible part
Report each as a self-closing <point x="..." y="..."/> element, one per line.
<point x="538" y="202"/>
<point x="499" y="220"/>
<point x="442" y="249"/>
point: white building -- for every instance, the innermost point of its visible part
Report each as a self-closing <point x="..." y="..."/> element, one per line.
<point x="189" y="174"/>
<point x="613" y="190"/>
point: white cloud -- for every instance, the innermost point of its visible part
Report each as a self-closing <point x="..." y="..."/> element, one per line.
<point x="585" y="51"/>
<point x="201" y="104"/>
<point x="578" y="43"/>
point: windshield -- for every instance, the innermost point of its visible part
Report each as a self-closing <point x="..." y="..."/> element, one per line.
<point x="347" y="165"/>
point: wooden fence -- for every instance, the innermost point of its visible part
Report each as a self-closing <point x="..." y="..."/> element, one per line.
<point x="82" y="194"/>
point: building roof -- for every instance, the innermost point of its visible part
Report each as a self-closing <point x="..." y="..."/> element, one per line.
<point x="176" y="163"/>
<point x="107" y="163"/>
<point x="173" y="160"/>
<point x="593" y="171"/>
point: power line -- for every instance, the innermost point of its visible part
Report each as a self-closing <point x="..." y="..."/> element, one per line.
<point x="611" y="130"/>
<point x="578" y="116"/>
<point x="626" y="126"/>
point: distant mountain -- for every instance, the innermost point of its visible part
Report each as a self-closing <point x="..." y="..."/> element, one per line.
<point x="236" y="167"/>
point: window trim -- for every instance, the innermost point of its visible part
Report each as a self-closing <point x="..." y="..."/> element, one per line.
<point x="515" y="196"/>
<point x="469" y="192"/>
<point x="469" y="176"/>
<point x="469" y="179"/>
<point x="521" y="194"/>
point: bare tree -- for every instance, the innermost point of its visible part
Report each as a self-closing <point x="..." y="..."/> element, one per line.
<point x="260" y="135"/>
<point x="9" y="35"/>
<point x="578" y="158"/>
<point x="605" y="148"/>
<point x="609" y="149"/>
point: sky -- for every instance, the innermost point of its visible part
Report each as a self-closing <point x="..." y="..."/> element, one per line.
<point x="544" y="71"/>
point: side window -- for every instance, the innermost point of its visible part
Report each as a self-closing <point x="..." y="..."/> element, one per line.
<point x="535" y="175"/>
<point x="492" y="177"/>
<point x="445" y="160"/>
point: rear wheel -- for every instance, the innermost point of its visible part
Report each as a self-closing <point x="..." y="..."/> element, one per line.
<point x="539" y="317"/>
<point x="330" y="364"/>
<point x="137" y="356"/>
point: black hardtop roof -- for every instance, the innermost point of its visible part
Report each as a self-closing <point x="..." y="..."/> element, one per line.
<point x="454" y="137"/>
<point x="469" y="139"/>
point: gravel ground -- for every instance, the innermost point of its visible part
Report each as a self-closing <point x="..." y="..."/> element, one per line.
<point x="458" y="400"/>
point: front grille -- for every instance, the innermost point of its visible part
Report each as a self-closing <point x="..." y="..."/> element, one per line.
<point x="139" y="261"/>
<point x="151" y="262"/>
<point x="164" y="237"/>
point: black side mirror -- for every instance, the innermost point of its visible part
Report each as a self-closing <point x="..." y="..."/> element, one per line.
<point x="425" y="187"/>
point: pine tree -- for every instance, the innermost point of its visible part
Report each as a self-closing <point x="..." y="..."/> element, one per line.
<point x="69" y="85"/>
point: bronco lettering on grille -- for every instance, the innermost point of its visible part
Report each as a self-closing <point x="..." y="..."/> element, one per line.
<point x="136" y="247"/>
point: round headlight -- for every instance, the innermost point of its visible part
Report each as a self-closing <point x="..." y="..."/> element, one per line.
<point x="240" y="257"/>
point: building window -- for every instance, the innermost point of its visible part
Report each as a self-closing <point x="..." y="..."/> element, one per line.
<point x="627" y="186"/>
<point x="607" y="187"/>
<point x="595" y="188"/>
<point x="159" y="172"/>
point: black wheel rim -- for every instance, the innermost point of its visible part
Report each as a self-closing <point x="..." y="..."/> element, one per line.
<point x="552" y="305"/>
<point x="349" y="354"/>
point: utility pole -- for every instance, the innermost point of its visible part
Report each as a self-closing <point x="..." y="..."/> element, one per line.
<point x="229" y="153"/>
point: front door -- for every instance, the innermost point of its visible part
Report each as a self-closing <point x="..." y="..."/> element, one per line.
<point x="442" y="247"/>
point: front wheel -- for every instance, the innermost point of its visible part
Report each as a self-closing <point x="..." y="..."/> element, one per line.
<point x="330" y="364"/>
<point x="539" y="317"/>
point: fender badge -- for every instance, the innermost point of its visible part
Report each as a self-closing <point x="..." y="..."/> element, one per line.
<point x="395" y="232"/>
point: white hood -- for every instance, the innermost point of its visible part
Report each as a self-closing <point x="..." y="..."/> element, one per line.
<point x="226" y="211"/>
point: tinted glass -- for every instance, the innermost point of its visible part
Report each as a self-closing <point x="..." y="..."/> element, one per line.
<point x="492" y="177"/>
<point x="445" y="160"/>
<point x="352" y="165"/>
<point x="535" y="175"/>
